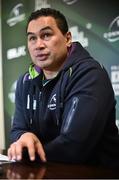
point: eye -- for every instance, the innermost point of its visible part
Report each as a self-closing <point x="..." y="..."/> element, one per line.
<point x="46" y="36"/>
<point x="31" y="38"/>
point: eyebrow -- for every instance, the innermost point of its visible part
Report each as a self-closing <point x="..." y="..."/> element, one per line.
<point x="43" y="29"/>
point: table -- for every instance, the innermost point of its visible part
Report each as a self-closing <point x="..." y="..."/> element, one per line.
<point x="33" y="170"/>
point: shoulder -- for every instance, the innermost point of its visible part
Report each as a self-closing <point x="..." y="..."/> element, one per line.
<point x="23" y="79"/>
<point x="87" y="66"/>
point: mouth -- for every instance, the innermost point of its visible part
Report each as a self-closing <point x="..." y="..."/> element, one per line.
<point x="41" y="57"/>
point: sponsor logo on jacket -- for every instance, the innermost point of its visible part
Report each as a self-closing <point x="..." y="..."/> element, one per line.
<point x="52" y="103"/>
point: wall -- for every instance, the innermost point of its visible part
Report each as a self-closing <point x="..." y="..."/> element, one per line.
<point x="2" y="137"/>
<point x="95" y="24"/>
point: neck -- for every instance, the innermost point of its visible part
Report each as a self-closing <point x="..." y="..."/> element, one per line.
<point x="50" y="74"/>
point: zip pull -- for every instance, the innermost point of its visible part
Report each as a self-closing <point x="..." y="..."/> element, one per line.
<point x="28" y="102"/>
<point x="39" y="95"/>
<point x="71" y="113"/>
<point x="57" y="120"/>
<point x="31" y="121"/>
<point x="34" y="103"/>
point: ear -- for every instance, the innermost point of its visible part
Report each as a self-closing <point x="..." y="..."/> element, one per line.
<point x="68" y="39"/>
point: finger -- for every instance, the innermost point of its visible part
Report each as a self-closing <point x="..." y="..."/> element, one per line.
<point x="31" y="151"/>
<point x="40" y="151"/>
<point x="12" y="152"/>
<point x="19" y="151"/>
<point x="9" y="154"/>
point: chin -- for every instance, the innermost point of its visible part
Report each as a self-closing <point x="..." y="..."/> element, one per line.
<point x="44" y="65"/>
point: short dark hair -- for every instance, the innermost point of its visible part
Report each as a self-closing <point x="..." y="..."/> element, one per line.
<point x="57" y="15"/>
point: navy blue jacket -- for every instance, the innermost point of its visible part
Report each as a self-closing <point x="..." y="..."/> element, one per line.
<point x="73" y="115"/>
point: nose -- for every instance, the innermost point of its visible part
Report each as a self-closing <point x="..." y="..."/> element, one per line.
<point x="40" y="44"/>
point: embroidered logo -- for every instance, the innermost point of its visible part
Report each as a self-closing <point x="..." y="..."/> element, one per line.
<point x="52" y="104"/>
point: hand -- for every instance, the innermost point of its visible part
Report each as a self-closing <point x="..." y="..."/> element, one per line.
<point x="33" y="145"/>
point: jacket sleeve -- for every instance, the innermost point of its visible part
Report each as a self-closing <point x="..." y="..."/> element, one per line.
<point x="19" y="125"/>
<point x="89" y="102"/>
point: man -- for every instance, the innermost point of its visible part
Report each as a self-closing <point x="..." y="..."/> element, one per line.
<point x="65" y="105"/>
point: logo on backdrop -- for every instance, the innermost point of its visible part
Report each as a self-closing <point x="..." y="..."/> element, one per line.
<point x="16" y="15"/>
<point x="70" y="2"/>
<point x="115" y="79"/>
<point x="41" y="4"/>
<point x="11" y="94"/>
<point x="79" y="36"/>
<point x="113" y="31"/>
<point x="117" y="124"/>
<point x="16" y="52"/>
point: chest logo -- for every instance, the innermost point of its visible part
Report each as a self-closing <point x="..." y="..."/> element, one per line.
<point x="52" y="103"/>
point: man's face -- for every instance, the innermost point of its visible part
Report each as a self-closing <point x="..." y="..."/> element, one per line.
<point x="46" y="43"/>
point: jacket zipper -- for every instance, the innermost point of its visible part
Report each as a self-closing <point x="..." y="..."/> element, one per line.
<point x="71" y="113"/>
